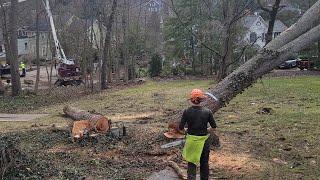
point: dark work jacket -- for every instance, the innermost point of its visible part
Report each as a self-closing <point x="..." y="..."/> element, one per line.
<point x="197" y="119"/>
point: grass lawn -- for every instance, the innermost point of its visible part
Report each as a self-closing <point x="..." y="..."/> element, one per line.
<point x="281" y="145"/>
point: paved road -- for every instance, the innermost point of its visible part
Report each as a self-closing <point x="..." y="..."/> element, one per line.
<point x="20" y="117"/>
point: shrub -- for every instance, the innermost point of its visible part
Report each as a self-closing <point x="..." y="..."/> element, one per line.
<point x="155" y="65"/>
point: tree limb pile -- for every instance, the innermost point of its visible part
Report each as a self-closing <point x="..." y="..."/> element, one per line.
<point x="299" y="36"/>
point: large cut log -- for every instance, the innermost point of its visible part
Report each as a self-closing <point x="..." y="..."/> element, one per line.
<point x="78" y="114"/>
<point x="86" y="122"/>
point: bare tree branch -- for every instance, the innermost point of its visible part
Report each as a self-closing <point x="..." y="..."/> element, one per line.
<point x="190" y="30"/>
<point x="262" y="7"/>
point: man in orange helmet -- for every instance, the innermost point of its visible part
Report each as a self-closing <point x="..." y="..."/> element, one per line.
<point x="197" y="147"/>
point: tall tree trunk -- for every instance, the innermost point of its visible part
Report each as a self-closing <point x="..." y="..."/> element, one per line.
<point x="319" y="53"/>
<point x="125" y="54"/>
<point x="227" y="45"/>
<point x="193" y="55"/>
<point x="15" y="75"/>
<point x="133" y="68"/>
<point x="117" y="52"/>
<point x="5" y="32"/>
<point x="37" y="46"/>
<point x="299" y="36"/>
<point x="99" y="68"/>
<point x="107" y="45"/>
<point x="272" y="15"/>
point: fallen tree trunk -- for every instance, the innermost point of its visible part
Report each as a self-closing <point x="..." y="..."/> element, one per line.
<point x="299" y="36"/>
<point x="78" y="114"/>
<point x="86" y="122"/>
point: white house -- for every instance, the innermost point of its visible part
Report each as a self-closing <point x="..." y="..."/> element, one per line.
<point x="27" y="41"/>
<point x="154" y="5"/>
<point x="257" y="28"/>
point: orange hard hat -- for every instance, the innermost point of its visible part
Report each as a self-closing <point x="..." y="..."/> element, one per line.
<point x="196" y="94"/>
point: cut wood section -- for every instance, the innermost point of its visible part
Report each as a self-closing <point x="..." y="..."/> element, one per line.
<point x="86" y="122"/>
<point x="178" y="170"/>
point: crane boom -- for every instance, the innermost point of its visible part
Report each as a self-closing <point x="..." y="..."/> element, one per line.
<point x="59" y="51"/>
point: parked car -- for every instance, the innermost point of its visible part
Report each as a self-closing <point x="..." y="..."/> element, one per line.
<point x="5" y="71"/>
<point x="292" y="63"/>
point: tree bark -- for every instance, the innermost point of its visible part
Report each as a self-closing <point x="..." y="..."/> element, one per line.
<point x="178" y="170"/>
<point x="255" y="68"/>
<point x="299" y="36"/>
<point x="319" y="52"/>
<point x="304" y="24"/>
<point x="15" y="75"/>
<point x="107" y="45"/>
<point x="96" y="122"/>
<point x="227" y="45"/>
<point x="273" y="15"/>
<point x="5" y="33"/>
<point x="37" y="47"/>
<point x="125" y="53"/>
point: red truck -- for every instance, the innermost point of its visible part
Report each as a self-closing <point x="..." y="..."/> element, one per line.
<point x="305" y="63"/>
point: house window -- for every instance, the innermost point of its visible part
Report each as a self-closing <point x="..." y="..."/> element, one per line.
<point x="44" y="51"/>
<point x="25" y="46"/>
<point x="253" y="37"/>
<point x="263" y="36"/>
<point x="276" y="34"/>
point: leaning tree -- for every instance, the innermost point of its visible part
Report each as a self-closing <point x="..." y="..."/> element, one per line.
<point x="299" y="36"/>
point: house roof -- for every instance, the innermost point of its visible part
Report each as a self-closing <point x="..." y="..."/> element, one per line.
<point x="279" y="26"/>
<point x="251" y="19"/>
<point x="43" y="27"/>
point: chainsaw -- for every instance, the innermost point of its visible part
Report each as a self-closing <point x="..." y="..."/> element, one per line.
<point x="173" y="144"/>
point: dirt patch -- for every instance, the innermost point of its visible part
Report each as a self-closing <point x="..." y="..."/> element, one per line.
<point x="236" y="163"/>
